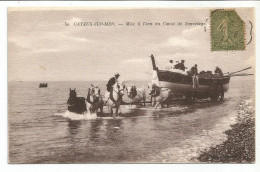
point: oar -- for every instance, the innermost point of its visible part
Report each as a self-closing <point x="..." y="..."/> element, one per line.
<point x="238" y="71"/>
<point x="243" y="74"/>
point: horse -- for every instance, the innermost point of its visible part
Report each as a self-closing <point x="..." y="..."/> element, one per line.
<point x="97" y="101"/>
<point x="159" y="95"/>
<point x="76" y="104"/>
<point x="113" y="99"/>
<point x="135" y="95"/>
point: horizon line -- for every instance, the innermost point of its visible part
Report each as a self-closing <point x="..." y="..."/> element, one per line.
<point x="67" y="80"/>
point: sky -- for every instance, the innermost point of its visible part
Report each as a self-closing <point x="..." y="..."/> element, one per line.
<point x="42" y="48"/>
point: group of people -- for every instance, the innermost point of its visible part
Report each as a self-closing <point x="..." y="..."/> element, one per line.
<point x="194" y="70"/>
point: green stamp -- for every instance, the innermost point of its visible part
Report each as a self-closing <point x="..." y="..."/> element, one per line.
<point x="227" y="31"/>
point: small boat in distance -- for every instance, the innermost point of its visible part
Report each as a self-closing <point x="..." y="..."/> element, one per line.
<point x="43" y="85"/>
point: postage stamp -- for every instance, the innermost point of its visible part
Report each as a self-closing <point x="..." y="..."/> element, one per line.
<point x="227" y="30"/>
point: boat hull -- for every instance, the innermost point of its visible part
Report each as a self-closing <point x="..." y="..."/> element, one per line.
<point x="181" y="84"/>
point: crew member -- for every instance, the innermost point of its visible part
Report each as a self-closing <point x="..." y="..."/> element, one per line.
<point x="195" y="80"/>
<point x="112" y="81"/>
<point x="194" y="70"/>
<point x="180" y="65"/>
<point x="170" y="66"/>
<point x="218" y="71"/>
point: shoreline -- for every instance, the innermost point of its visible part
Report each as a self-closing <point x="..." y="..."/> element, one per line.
<point x="240" y="144"/>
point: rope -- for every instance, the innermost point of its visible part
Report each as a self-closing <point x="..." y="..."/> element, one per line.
<point x="157" y="62"/>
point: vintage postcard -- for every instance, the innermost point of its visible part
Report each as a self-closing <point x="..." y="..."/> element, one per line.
<point x="131" y="85"/>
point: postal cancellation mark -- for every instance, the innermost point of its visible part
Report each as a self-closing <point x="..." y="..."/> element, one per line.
<point x="227" y="30"/>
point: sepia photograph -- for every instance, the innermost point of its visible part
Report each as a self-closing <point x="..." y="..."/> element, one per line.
<point x="131" y="85"/>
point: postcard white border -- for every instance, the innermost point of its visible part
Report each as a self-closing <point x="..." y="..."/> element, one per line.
<point x="115" y="167"/>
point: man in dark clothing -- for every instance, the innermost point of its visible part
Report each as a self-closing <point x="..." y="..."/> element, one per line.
<point x="218" y="72"/>
<point x="195" y="80"/>
<point x="112" y="81"/>
<point x="194" y="70"/>
<point x="180" y="65"/>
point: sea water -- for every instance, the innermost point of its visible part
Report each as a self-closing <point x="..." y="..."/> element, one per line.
<point x="41" y="130"/>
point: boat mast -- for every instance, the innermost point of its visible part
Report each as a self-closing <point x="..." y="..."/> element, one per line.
<point x="153" y="62"/>
<point x="155" y="68"/>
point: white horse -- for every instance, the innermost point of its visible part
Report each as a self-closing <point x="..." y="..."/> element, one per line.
<point x="94" y="99"/>
<point x="159" y="95"/>
<point x="113" y="99"/>
<point x="135" y="95"/>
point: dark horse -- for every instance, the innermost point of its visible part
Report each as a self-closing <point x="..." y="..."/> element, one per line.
<point x="76" y="104"/>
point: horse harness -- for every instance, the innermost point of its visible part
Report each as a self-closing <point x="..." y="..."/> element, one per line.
<point x="111" y="95"/>
<point x="95" y="93"/>
<point x="94" y="100"/>
<point x="134" y="90"/>
<point x="71" y="105"/>
<point x="157" y="90"/>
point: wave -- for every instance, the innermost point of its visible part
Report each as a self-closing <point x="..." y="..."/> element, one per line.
<point x="75" y="116"/>
<point x="85" y="116"/>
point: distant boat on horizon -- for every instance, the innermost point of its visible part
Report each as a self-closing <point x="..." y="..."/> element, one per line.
<point x="43" y="85"/>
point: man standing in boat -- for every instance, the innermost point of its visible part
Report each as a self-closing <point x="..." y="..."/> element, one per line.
<point x="180" y="65"/>
<point x="218" y="71"/>
<point x="171" y="65"/>
<point x="112" y="81"/>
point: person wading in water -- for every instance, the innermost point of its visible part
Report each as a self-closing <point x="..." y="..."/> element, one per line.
<point x="112" y="81"/>
<point x="194" y="73"/>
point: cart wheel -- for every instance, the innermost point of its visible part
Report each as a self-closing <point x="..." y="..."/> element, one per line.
<point x="217" y="92"/>
<point x="188" y="99"/>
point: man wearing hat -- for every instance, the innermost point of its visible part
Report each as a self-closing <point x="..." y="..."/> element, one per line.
<point x="180" y="65"/>
<point x="112" y="81"/>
